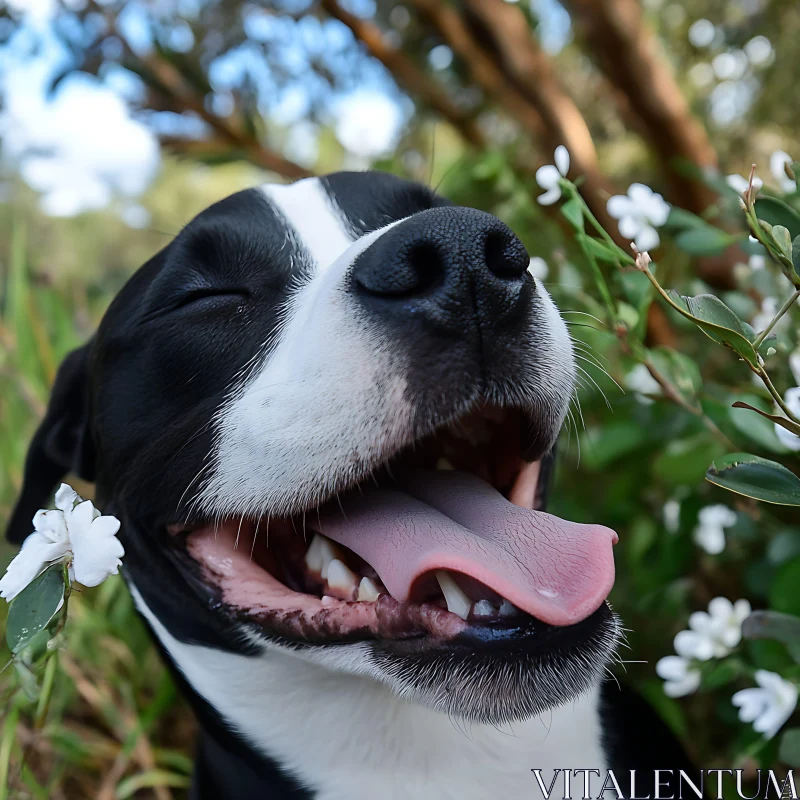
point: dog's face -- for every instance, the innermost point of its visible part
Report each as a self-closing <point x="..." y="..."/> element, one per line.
<point x="325" y="415"/>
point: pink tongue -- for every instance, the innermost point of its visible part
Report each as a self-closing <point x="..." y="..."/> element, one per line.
<point x="557" y="571"/>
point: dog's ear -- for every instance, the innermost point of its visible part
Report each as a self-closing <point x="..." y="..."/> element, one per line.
<point x="62" y="443"/>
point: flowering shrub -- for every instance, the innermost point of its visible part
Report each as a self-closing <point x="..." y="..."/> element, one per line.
<point x="750" y="658"/>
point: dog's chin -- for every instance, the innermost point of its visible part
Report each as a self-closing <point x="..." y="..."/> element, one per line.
<point x="496" y="675"/>
<point x="439" y="578"/>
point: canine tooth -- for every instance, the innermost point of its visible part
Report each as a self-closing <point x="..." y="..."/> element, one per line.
<point x="507" y="609"/>
<point x="340" y="576"/>
<point x="313" y="557"/>
<point x="368" y="591"/>
<point x="457" y="602"/>
<point x="483" y="608"/>
<point x="444" y="464"/>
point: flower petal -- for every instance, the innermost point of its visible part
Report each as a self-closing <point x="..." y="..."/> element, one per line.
<point x="66" y="497"/>
<point x="51" y="524"/>
<point x="738" y="183"/>
<point x="36" y="553"/>
<point x="750" y="702"/>
<point x="672" y="668"/>
<point x="711" y="538"/>
<point x="688" y="685"/>
<point x="620" y="206"/>
<point x="629" y="227"/>
<point x="720" y="608"/>
<point x="81" y="518"/>
<point x="742" y="610"/>
<point x="562" y="159"/>
<point x="551" y="196"/>
<point x="640" y="193"/>
<point x="547" y="176"/>
<point x="647" y="239"/>
<point x="97" y="551"/>
<point x="691" y="644"/>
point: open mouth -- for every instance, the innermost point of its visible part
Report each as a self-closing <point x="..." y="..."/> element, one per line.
<point x="443" y="541"/>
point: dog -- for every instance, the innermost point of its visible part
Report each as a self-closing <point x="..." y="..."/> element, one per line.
<point x="325" y="415"/>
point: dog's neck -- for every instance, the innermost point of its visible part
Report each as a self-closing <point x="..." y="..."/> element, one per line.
<point x="344" y="736"/>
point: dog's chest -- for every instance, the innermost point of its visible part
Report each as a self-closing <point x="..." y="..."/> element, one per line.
<point x="347" y="738"/>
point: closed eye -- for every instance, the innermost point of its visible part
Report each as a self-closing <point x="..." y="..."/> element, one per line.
<point x="210" y="293"/>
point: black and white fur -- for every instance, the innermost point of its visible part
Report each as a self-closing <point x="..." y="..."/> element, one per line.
<point x="243" y="371"/>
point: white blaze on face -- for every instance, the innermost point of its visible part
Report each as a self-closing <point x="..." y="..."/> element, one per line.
<point x="318" y="225"/>
<point x="328" y="398"/>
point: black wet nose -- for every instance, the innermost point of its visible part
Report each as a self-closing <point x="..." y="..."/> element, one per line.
<point x="448" y="265"/>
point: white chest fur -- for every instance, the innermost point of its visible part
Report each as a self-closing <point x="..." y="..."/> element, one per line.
<point x="347" y="737"/>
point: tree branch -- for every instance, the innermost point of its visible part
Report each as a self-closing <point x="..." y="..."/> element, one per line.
<point x="407" y="73"/>
<point x="628" y="53"/>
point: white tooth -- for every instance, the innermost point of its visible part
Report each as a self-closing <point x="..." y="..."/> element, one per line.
<point x="508" y="610"/>
<point x="457" y="602"/>
<point x="444" y="464"/>
<point x="483" y="608"/>
<point x="327" y="600"/>
<point x="340" y="576"/>
<point x="328" y="552"/>
<point x="313" y="557"/>
<point x="368" y="591"/>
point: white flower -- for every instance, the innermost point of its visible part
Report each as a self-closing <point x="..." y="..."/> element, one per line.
<point x="710" y="531"/>
<point x="757" y="262"/>
<point x="769" y="706"/>
<point x="639" y="212"/>
<point x="538" y="268"/>
<point x="720" y="628"/>
<point x="777" y="161"/>
<point x="740" y="184"/>
<point x="548" y="176"/>
<point x="642" y="383"/>
<point x="672" y="515"/>
<point x="792" y="400"/>
<point x="681" y="677"/>
<point x="74" y="532"/>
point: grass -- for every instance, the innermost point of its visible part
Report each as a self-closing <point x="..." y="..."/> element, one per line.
<point x="116" y="727"/>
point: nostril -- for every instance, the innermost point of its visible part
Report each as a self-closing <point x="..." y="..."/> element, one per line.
<point x="506" y="256"/>
<point x="411" y="270"/>
<point x="425" y="258"/>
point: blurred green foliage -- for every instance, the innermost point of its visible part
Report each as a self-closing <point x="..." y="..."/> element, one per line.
<point x="634" y="460"/>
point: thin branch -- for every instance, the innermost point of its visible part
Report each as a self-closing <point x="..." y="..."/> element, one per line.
<point x="407" y="73"/>
<point x="784" y="308"/>
<point x="504" y="32"/>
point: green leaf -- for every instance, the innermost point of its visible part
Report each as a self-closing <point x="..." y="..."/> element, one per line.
<point x="796" y="254"/>
<point x="722" y="674"/>
<point x="772" y="625"/>
<point x="776" y="212"/>
<point x="783" y="239"/>
<point x="682" y="372"/>
<point x="718" y="322"/>
<point x="789" y="751"/>
<point x="756" y="477"/>
<point x="783" y="594"/>
<point x="574" y="213"/>
<point x="32" y="609"/>
<point x="705" y="241"/>
<point x="600" y="250"/>
<point x="679" y="219"/>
